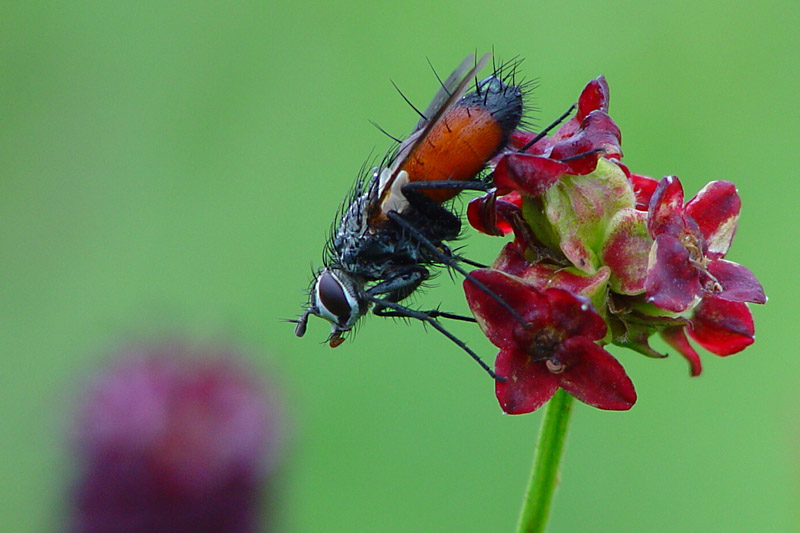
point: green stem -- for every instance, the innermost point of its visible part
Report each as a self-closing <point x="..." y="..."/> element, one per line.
<point x="544" y="475"/>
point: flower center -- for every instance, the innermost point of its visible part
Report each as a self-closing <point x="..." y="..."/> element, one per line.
<point x="543" y="348"/>
<point x="694" y="245"/>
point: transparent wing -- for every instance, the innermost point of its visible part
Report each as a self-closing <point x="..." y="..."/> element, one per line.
<point x="451" y="91"/>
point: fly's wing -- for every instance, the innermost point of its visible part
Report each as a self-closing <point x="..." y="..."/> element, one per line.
<point x="449" y="93"/>
<point x="447" y="88"/>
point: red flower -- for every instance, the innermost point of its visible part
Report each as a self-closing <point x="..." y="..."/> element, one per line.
<point x="171" y="438"/>
<point x="557" y="348"/>
<point x="690" y="241"/>
<point x="585" y="226"/>
<point x="574" y="149"/>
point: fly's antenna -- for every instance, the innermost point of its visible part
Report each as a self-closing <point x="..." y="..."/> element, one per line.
<point x="408" y="101"/>
<point x="300" y="323"/>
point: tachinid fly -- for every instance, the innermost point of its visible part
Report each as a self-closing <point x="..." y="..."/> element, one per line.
<point x="394" y="227"/>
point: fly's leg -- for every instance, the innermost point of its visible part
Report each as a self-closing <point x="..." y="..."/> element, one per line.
<point x="400" y="283"/>
<point x="545" y="131"/>
<point x="399" y="286"/>
<point x="472" y="263"/>
<point x="444" y="224"/>
<point x="433" y="313"/>
<point x="406" y="312"/>
<point x="452" y="263"/>
<point x="447" y="222"/>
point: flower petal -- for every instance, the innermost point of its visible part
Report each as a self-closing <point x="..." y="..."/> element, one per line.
<point x="512" y="260"/>
<point x="482" y="215"/>
<point x="594" y="377"/>
<point x="676" y="337"/>
<point x="595" y="96"/>
<point x="722" y="327"/>
<point x="528" y="384"/>
<point x="665" y="214"/>
<point x="598" y="135"/>
<point x="574" y="315"/>
<point x="497" y="323"/>
<point x="592" y="286"/>
<point x="716" y="211"/>
<point x="739" y="284"/>
<point x="644" y="187"/>
<point x="529" y="174"/>
<point x="672" y="281"/>
<point x="520" y="138"/>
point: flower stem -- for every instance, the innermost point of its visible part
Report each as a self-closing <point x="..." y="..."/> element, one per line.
<point x="546" y="459"/>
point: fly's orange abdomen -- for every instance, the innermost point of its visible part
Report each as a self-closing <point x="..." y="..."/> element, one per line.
<point x="468" y="134"/>
<point x="457" y="148"/>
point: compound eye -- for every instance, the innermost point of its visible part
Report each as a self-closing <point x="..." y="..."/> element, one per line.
<point x="333" y="299"/>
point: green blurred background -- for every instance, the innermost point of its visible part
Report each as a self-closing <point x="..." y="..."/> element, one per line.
<point x="172" y="170"/>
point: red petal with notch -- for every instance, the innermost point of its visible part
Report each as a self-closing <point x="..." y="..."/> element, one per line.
<point x="739" y="284"/>
<point x="528" y="384"/>
<point x="722" y="327"/>
<point x="543" y="276"/>
<point x="594" y="377"/>
<point x="574" y="315"/>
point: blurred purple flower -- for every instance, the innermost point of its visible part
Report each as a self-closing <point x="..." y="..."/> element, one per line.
<point x="172" y="438"/>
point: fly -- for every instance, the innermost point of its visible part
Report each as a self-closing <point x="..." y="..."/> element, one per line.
<point x="394" y="227"/>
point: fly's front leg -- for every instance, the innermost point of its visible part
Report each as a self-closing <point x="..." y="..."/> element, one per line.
<point x="406" y="312"/>
<point x="432" y="313"/>
<point x="399" y="286"/>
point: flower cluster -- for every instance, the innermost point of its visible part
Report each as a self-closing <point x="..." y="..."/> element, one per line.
<point x="601" y="256"/>
<point x="175" y="438"/>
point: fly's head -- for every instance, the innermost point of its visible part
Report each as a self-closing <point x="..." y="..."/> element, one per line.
<point x="336" y="297"/>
